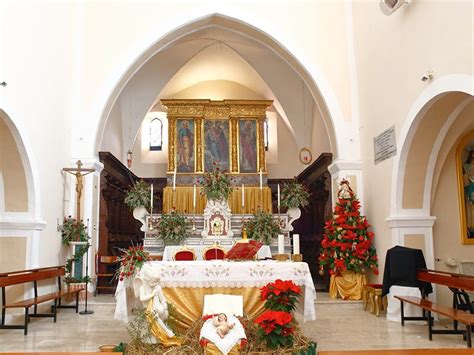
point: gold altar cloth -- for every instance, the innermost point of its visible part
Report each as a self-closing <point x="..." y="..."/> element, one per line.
<point x="189" y="302"/>
<point x="182" y="199"/>
<point x="348" y="286"/>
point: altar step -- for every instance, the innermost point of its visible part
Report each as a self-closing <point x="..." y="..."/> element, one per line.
<point x="324" y="300"/>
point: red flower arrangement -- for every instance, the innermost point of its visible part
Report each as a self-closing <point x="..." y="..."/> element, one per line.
<point x="281" y="295"/>
<point x="131" y="261"/>
<point x="277" y="328"/>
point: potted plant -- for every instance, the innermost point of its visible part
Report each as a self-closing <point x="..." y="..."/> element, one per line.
<point x="216" y="185"/>
<point x="172" y="228"/>
<point x="73" y="231"/>
<point x="262" y="227"/>
<point x="137" y="198"/>
<point x="294" y="196"/>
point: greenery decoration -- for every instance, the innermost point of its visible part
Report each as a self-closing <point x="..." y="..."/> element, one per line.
<point x="138" y="195"/>
<point x="73" y="231"/>
<point x="172" y="228"/>
<point x="262" y="227"/>
<point x="347" y="243"/>
<point x="68" y="278"/>
<point x="216" y="185"/>
<point x="294" y="195"/>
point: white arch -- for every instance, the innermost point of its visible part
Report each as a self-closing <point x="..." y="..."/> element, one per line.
<point x="449" y="83"/>
<point x="308" y="71"/>
<point x="29" y="165"/>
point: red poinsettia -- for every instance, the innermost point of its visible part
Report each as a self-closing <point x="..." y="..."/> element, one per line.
<point x="276" y="327"/>
<point x="281" y="295"/>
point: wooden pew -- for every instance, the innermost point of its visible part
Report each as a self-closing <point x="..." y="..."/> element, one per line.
<point x="33" y="276"/>
<point x="458" y="284"/>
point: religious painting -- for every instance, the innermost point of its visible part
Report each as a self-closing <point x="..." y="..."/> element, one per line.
<point x="216" y="145"/>
<point x="465" y="169"/>
<point x="248" y="151"/>
<point x="185" y="146"/>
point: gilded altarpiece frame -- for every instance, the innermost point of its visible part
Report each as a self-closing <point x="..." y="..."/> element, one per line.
<point x="465" y="174"/>
<point x="206" y="113"/>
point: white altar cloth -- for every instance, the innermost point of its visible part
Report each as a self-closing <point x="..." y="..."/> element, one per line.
<point x="219" y="273"/>
<point x="170" y="250"/>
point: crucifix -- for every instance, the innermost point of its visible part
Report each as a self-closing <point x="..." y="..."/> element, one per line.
<point x="79" y="173"/>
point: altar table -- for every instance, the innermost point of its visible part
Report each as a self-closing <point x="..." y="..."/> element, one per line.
<point x="185" y="283"/>
<point x="170" y="250"/>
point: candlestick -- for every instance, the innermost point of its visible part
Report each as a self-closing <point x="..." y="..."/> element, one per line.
<point x="278" y="193"/>
<point x="151" y="199"/>
<point x="261" y="180"/>
<point x="174" y="179"/>
<point x="243" y="198"/>
<point x="281" y="244"/>
<point x="296" y="244"/>
<point x="194" y="196"/>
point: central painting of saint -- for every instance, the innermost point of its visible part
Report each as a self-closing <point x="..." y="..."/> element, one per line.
<point x="216" y="145"/>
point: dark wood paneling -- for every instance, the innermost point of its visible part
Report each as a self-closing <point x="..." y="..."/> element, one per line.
<point x="310" y="226"/>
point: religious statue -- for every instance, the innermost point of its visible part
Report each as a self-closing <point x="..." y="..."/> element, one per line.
<point x="468" y="180"/>
<point x="185" y="147"/>
<point x="79" y="173"/>
<point x="345" y="190"/>
<point x="149" y="291"/>
<point x="222" y="326"/>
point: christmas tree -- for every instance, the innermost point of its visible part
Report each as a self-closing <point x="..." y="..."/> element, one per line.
<point x="347" y="243"/>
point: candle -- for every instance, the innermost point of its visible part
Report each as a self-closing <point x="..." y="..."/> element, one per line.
<point x="194" y="196"/>
<point x="261" y="179"/>
<point x="296" y="244"/>
<point x="278" y="193"/>
<point x="174" y="179"/>
<point x="243" y="197"/>
<point x="151" y="199"/>
<point x="281" y="244"/>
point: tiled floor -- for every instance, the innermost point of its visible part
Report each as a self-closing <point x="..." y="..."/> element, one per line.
<point x="340" y="325"/>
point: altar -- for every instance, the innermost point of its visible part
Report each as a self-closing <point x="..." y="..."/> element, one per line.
<point x="186" y="283"/>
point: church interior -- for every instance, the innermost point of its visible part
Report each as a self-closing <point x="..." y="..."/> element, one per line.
<point x="234" y="177"/>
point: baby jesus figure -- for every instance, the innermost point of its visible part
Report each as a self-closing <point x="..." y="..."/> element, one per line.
<point x="223" y="327"/>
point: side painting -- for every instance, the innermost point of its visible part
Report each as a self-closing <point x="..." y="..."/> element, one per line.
<point x="185" y="146"/>
<point x="465" y="165"/>
<point x="248" y="146"/>
<point x="216" y="145"/>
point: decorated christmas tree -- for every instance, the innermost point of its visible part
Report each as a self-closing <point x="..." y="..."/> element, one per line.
<point x="347" y="242"/>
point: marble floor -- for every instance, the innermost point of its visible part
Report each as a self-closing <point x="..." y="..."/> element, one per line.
<point x="340" y="325"/>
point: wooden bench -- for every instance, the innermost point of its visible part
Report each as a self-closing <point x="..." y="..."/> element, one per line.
<point x="33" y="276"/>
<point x="458" y="284"/>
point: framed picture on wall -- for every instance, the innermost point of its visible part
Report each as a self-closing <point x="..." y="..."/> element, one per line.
<point x="216" y="144"/>
<point x="185" y="156"/>
<point x="465" y="173"/>
<point x="248" y="146"/>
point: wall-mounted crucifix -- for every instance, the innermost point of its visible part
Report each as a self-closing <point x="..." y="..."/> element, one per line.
<point x="79" y="173"/>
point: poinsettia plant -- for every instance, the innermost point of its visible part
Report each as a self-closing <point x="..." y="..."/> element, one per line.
<point x="277" y="328"/>
<point x="131" y="261"/>
<point x="281" y="295"/>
